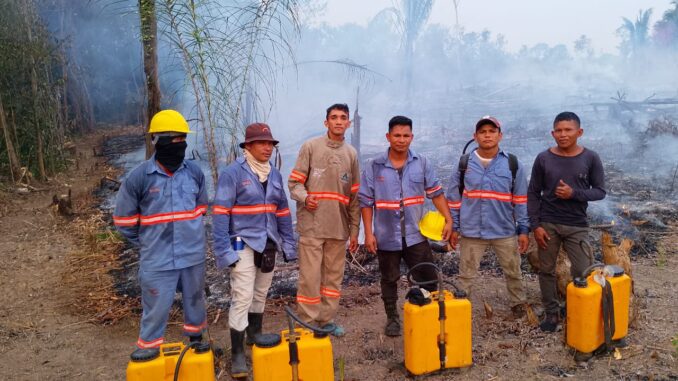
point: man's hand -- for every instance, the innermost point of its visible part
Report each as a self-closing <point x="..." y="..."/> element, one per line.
<point x="311" y="202"/>
<point x="371" y="243"/>
<point x="523" y="243"/>
<point x="454" y="239"/>
<point x="353" y="243"/>
<point x="563" y="190"/>
<point x="447" y="230"/>
<point x="542" y="237"/>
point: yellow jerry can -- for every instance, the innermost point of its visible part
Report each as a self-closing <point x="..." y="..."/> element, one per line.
<point x="422" y="331"/>
<point x="196" y="365"/>
<point x="585" y="325"/>
<point x="271" y="357"/>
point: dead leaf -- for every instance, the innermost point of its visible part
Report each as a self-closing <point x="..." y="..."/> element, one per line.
<point x="488" y="310"/>
<point x="531" y="316"/>
<point x="617" y="354"/>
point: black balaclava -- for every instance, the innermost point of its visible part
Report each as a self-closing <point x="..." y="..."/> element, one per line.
<point x="169" y="154"/>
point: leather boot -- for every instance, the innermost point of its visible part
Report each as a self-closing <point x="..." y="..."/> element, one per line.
<point x="392" y="328"/>
<point x="254" y="323"/>
<point x="238" y="362"/>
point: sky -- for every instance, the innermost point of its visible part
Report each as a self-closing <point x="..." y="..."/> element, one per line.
<point x="522" y="22"/>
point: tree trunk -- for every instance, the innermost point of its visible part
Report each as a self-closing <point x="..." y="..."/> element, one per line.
<point x="14" y="165"/>
<point x="149" y="41"/>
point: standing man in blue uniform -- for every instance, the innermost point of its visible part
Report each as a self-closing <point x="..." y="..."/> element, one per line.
<point x="489" y="210"/>
<point x="160" y="208"/>
<point x="252" y="223"/>
<point x="393" y="187"/>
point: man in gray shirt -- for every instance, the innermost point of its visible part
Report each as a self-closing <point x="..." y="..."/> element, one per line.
<point x="564" y="178"/>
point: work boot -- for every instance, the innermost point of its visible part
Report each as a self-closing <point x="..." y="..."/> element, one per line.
<point x="550" y="322"/>
<point x="193" y="339"/>
<point x="392" y="328"/>
<point x="145" y="354"/>
<point x="238" y="362"/>
<point x="254" y="323"/>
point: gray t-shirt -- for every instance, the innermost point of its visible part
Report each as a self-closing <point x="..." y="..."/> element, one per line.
<point x="583" y="172"/>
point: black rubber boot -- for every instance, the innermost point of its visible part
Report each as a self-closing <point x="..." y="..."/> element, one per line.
<point x="254" y="323"/>
<point x="145" y="354"/>
<point x="392" y="328"/>
<point x="238" y="362"/>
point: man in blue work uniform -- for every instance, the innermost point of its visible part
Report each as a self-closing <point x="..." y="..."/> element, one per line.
<point x="392" y="192"/>
<point x="160" y="208"/>
<point x="252" y="222"/>
<point x="489" y="210"/>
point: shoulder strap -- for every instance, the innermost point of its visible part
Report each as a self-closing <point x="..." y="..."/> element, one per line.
<point x="463" y="164"/>
<point x="513" y="166"/>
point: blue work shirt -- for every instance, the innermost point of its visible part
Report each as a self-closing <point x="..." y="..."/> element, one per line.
<point x="382" y="189"/>
<point x="163" y="215"/>
<point x="243" y="209"/>
<point x="488" y="209"/>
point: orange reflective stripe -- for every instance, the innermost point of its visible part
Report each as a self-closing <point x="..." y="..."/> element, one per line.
<point x="434" y="189"/>
<point x="454" y="205"/>
<point x="488" y="195"/>
<point x="126" y="221"/>
<point x="216" y="209"/>
<point x="254" y="209"/>
<point x="307" y="300"/>
<point x="331" y="196"/>
<point x="298" y="176"/>
<point x="282" y="212"/>
<point x="387" y="204"/>
<point x="355" y="188"/>
<point x="330" y="293"/>
<point x="519" y="199"/>
<point x="149" y="344"/>
<point x="195" y="328"/>
<point x="173" y="216"/>
<point x="413" y="200"/>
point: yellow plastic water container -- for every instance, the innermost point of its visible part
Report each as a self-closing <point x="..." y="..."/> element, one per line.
<point x="271" y="361"/>
<point x="196" y="365"/>
<point x="585" y="330"/>
<point x="422" y="330"/>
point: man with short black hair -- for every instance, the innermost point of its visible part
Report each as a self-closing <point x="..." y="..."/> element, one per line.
<point x="325" y="182"/>
<point x="491" y="211"/>
<point x="393" y="188"/>
<point x="564" y="179"/>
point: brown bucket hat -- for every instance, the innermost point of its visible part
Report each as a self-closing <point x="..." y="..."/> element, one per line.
<point x="258" y="132"/>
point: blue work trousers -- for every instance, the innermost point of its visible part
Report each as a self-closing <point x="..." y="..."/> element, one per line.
<point x="157" y="294"/>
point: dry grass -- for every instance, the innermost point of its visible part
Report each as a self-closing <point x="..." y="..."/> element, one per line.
<point x="88" y="271"/>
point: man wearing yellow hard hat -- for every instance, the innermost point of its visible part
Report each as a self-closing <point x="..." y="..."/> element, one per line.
<point x="393" y="188"/>
<point x="159" y="209"/>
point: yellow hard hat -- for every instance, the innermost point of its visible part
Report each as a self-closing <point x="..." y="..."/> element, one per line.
<point x="168" y="121"/>
<point x="431" y="225"/>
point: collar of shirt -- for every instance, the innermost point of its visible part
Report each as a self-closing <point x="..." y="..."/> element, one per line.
<point x="333" y="143"/>
<point x="383" y="158"/>
<point x="154" y="167"/>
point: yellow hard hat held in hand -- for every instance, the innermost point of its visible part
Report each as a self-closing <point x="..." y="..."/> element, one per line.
<point x="431" y="225"/>
<point x="169" y="121"/>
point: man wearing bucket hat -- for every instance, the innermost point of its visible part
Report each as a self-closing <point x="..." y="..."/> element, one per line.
<point x="393" y="188"/>
<point x="252" y="223"/>
<point x="487" y="197"/>
<point x="160" y="208"/>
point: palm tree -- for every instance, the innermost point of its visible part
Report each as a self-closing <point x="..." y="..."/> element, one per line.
<point x="635" y="35"/>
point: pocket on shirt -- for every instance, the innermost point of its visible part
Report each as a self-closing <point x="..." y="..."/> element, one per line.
<point x="502" y="181"/>
<point x="189" y="196"/>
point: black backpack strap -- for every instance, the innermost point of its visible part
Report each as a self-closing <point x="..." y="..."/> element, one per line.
<point x="513" y="166"/>
<point x="463" y="164"/>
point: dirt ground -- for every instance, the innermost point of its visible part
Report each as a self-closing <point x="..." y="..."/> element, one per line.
<point x="47" y="333"/>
